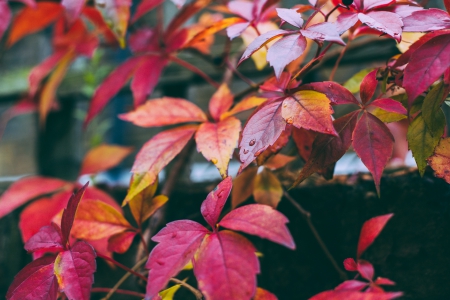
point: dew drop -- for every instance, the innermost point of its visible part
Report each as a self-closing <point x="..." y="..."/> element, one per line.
<point x="252" y="142"/>
<point x="285" y="105"/>
<point x="290" y="120"/>
<point x="214" y="160"/>
<point x="245" y="151"/>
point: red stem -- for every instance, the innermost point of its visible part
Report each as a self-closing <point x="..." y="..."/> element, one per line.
<point x="194" y="69"/>
<point x="123" y="292"/>
<point x="115" y="262"/>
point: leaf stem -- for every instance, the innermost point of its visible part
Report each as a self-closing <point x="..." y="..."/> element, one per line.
<point x="115" y="262"/>
<point x="194" y="69"/>
<point x="123" y="292"/>
<point x="115" y="288"/>
<point x="143" y="242"/>
<point x="341" y="55"/>
<point x="198" y="295"/>
<point x="307" y="216"/>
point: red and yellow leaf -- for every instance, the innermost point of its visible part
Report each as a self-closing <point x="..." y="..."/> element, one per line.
<point x="210" y="30"/>
<point x="217" y="141"/>
<point x="243" y="186"/>
<point x="267" y="188"/>
<point x="262" y="294"/>
<point x="440" y="160"/>
<point x="121" y="242"/>
<point x="220" y="102"/>
<point x="245" y="104"/>
<point x="103" y="157"/>
<point x="116" y="14"/>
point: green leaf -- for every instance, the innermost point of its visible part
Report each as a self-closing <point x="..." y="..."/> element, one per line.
<point x="422" y="140"/>
<point x="387" y="116"/>
<point x="355" y="81"/>
<point x="432" y="104"/>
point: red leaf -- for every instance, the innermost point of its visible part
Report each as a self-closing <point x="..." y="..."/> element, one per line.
<point x="144" y="7"/>
<point x="284" y="51"/>
<point x="355" y="295"/>
<point x="5" y="12"/>
<point x="309" y="110"/>
<point x="368" y="86"/>
<point x="30" y="20"/>
<point x="35" y="281"/>
<point x="388" y="104"/>
<point x="335" y="92"/>
<point x="369" y="232"/>
<point x="220" y="102"/>
<point x="75" y="269"/>
<point x="384" y="281"/>
<point x="48" y="238"/>
<point x="447" y="5"/>
<point x="121" y="241"/>
<point x="350" y="265"/>
<point x="261" y="131"/>
<point x="103" y="157"/>
<point x="165" y="111"/>
<point x="185" y="14"/>
<point x="303" y="140"/>
<point x="260" y="220"/>
<point x="260" y="41"/>
<point x="95" y="17"/>
<point x="328" y="149"/>
<point x="42" y="212"/>
<point x="24" y="190"/>
<point x="160" y="150"/>
<point x="111" y="86"/>
<point x="39" y="72"/>
<point x="215" y="201"/>
<point x="69" y="212"/>
<point x="178" y="242"/>
<point x="426" y="65"/>
<point x="146" y="77"/>
<point x="351" y="285"/>
<point x="426" y="20"/>
<point x="373" y="142"/>
<point x="366" y="270"/>
<point x="226" y="267"/>
<point x="217" y="141"/>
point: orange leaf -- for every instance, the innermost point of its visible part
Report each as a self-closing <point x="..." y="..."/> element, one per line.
<point x="116" y="14"/>
<point x="216" y="27"/>
<point x="278" y="161"/>
<point x="267" y="188"/>
<point x="185" y="14"/>
<point x="165" y="111"/>
<point x="262" y="294"/>
<point x="30" y="20"/>
<point x="309" y="110"/>
<point x="303" y="139"/>
<point x="220" y="102"/>
<point x="243" y="186"/>
<point x="121" y="242"/>
<point x="247" y="103"/>
<point x="103" y="157"/>
<point x="156" y="154"/>
<point x="96" y="220"/>
<point x="440" y="160"/>
<point x="217" y="141"/>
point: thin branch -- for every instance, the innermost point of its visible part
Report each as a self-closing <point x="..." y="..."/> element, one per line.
<point x="122" y="266"/>
<point x="144" y="243"/>
<point x="194" y="69"/>
<point x="123" y="292"/>
<point x="115" y="288"/>
<point x="198" y="295"/>
<point x="307" y="216"/>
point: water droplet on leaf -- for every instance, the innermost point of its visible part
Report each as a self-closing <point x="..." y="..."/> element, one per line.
<point x="290" y="120"/>
<point x="245" y="151"/>
<point x="214" y="160"/>
<point x="252" y="142"/>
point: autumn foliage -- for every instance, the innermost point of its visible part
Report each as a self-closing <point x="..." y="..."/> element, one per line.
<point x="75" y="224"/>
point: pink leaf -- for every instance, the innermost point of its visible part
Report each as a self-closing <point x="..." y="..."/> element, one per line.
<point x="291" y="16"/>
<point x="160" y="150"/>
<point x="111" y="86"/>
<point x="144" y="7"/>
<point x="178" y="242"/>
<point x="75" y="269"/>
<point x="321" y="32"/>
<point x="284" y="51"/>
<point x="261" y="131"/>
<point x="426" y="20"/>
<point x="346" y="21"/>
<point x="384" y="21"/>
<point x="384" y="281"/>
<point x="39" y="72"/>
<point x="226" y="267"/>
<point x="351" y="285"/>
<point x="242" y="8"/>
<point x="355" y="295"/>
<point x="161" y="112"/>
<point x="5" y="19"/>
<point x="366" y="270"/>
<point x="47" y="238"/>
<point x="146" y="77"/>
<point x="388" y="104"/>
<point x="335" y="92"/>
<point x="369" y="4"/>
<point x="350" y="265"/>
<point x="373" y="142"/>
<point x="215" y="201"/>
<point x="235" y="30"/>
<point x="368" y="86"/>
<point x="72" y="9"/>
<point x="369" y="232"/>
<point x="68" y="215"/>
<point x="26" y="189"/>
<point x="426" y="65"/>
<point x="35" y="281"/>
<point x="260" y="220"/>
<point x="260" y="41"/>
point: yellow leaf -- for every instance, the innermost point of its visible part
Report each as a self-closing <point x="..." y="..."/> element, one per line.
<point x="267" y="188"/>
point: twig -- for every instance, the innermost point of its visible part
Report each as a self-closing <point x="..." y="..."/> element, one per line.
<point x="122" y="266"/>
<point x="307" y="216"/>
<point x="115" y="288"/>
<point x="198" y="295"/>
<point x="123" y="292"/>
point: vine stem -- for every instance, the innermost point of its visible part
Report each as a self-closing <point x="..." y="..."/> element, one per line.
<point x="115" y="262"/>
<point x="117" y="291"/>
<point x="194" y="69"/>
<point x="115" y="288"/>
<point x="307" y="216"/>
<point x="198" y="295"/>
